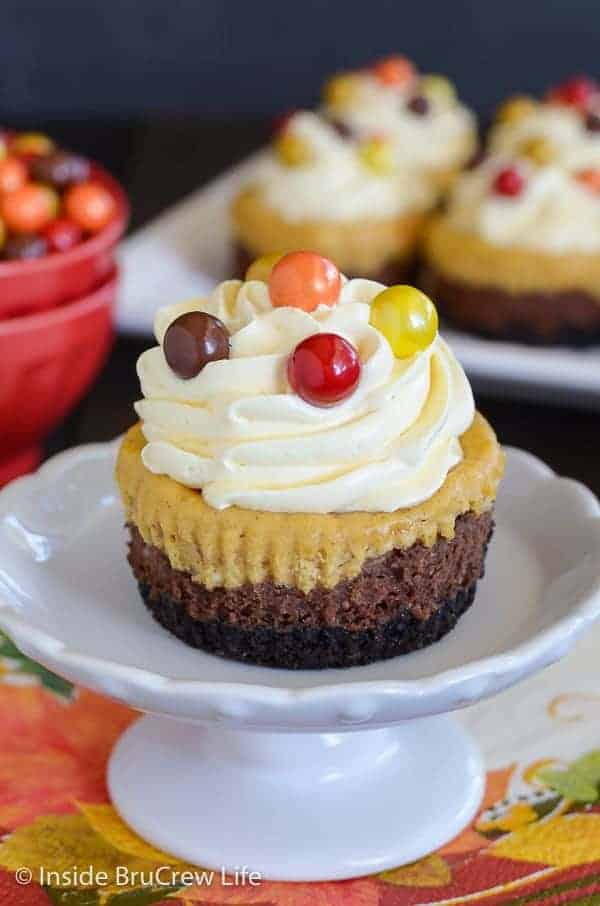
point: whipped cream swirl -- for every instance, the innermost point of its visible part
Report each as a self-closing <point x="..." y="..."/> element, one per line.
<point x="555" y="212"/>
<point x="239" y="432"/>
<point x="574" y="146"/>
<point x="444" y="138"/>
<point x="335" y="184"/>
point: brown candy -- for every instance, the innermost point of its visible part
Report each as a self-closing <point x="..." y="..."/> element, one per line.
<point x="592" y="121"/>
<point x="342" y="129"/>
<point x="476" y="159"/>
<point x="192" y="341"/>
<point x="60" y="169"/>
<point x="24" y="248"/>
<point x="419" y="105"/>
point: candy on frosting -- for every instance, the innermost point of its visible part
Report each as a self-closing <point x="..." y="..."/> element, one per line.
<point x="562" y="128"/>
<point x="240" y="433"/>
<point x="334" y="183"/>
<point x="555" y="211"/>
<point x="443" y="138"/>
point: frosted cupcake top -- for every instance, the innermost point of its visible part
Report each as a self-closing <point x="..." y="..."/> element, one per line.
<point x="512" y="201"/>
<point x="317" y="173"/>
<point x="563" y="129"/>
<point x="539" y="186"/>
<point x="304" y="392"/>
<point x="420" y="114"/>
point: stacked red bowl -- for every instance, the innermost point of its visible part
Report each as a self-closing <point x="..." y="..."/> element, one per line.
<point x="56" y="303"/>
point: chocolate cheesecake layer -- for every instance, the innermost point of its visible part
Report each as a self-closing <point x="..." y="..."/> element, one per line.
<point x="392" y="272"/>
<point x="567" y="317"/>
<point x="399" y="602"/>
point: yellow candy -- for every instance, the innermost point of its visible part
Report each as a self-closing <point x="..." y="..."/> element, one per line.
<point x="32" y="143"/>
<point x="377" y="155"/>
<point x="516" y="108"/>
<point x="341" y="90"/>
<point x="538" y="150"/>
<point x="262" y="267"/>
<point x="2" y="233"/>
<point x="438" y="88"/>
<point x="292" y="150"/>
<point x="406" y="317"/>
<point x="3" y="149"/>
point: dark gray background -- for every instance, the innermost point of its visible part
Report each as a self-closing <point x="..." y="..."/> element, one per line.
<point x="102" y="58"/>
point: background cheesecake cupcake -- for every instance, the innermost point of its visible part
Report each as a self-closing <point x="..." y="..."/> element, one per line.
<point x="310" y="485"/>
<point x="516" y="254"/>
<point x="321" y="189"/>
<point x="420" y="114"/>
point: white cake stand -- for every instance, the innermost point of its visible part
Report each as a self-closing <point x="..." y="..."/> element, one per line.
<point x="306" y="775"/>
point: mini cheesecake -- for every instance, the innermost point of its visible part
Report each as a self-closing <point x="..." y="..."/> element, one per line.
<point x="356" y="179"/>
<point x="319" y="189"/>
<point x="310" y="590"/>
<point x="300" y="517"/>
<point x="512" y="293"/>
<point x="516" y="253"/>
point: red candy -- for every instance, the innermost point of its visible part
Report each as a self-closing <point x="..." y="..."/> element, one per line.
<point x="394" y="71"/>
<point x="63" y="234"/>
<point x="509" y="182"/>
<point x="304" y="280"/>
<point x="575" y="92"/>
<point x="324" y="369"/>
<point x="90" y="205"/>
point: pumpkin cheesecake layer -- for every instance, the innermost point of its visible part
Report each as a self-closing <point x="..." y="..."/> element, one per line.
<point x="510" y="292"/>
<point x="233" y="547"/>
<point x="468" y="258"/>
<point x="569" y="317"/>
<point x="356" y="246"/>
<point x="394" y="271"/>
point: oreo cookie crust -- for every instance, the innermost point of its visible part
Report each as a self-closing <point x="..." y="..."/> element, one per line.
<point x="399" y="602"/>
<point x="561" y="317"/>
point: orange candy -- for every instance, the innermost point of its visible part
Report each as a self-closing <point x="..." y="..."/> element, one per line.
<point x="90" y="205"/>
<point x="30" y="208"/>
<point x="395" y="71"/>
<point x="13" y="174"/>
<point x="304" y="280"/>
<point x="590" y="178"/>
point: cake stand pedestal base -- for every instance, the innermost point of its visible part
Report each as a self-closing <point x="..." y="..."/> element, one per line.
<point x="297" y="806"/>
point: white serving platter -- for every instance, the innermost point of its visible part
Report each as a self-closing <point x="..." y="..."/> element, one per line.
<point x="187" y="251"/>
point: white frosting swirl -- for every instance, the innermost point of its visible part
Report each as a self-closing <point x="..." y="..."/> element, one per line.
<point x="240" y="433"/>
<point x="562" y="127"/>
<point x="335" y="184"/>
<point x="443" y="138"/>
<point x="555" y="212"/>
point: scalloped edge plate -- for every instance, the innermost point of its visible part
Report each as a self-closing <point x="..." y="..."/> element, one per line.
<point x="555" y="521"/>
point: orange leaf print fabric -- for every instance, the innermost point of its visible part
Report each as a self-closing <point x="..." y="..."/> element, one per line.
<point x="528" y="844"/>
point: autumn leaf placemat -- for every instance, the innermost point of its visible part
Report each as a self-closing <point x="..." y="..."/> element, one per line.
<point x="536" y="839"/>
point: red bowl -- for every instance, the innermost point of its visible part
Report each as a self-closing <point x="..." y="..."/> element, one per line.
<point x="47" y="362"/>
<point x="32" y="286"/>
